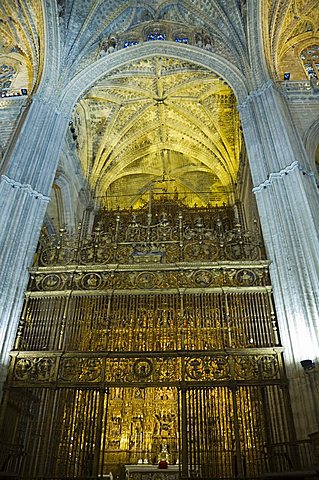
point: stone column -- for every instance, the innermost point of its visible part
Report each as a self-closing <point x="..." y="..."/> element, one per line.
<point x="288" y="203"/>
<point x="25" y="185"/>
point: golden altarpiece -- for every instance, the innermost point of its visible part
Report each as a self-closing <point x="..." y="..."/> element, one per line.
<point x="151" y="338"/>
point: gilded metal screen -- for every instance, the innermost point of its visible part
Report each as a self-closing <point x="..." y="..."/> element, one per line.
<point x="138" y="345"/>
<point x="148" y="322"/>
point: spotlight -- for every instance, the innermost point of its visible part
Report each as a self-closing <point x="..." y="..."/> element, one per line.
<point x="307" y="365"/>
<point x="287" y="76"/>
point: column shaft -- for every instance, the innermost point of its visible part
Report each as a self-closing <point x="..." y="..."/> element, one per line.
<point x="25" y="186"/>
<point x="288" y="202"/>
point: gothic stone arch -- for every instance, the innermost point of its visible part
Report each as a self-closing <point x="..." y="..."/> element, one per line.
<point x="87" y="77"/>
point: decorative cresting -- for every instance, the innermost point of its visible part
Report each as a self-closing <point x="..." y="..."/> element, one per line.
<point x="165" y="232"/>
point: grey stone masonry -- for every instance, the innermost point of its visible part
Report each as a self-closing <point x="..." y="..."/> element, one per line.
<point x="288" y="201"/>
<point x="25" y="186"/>
<point x="10" y="110"/>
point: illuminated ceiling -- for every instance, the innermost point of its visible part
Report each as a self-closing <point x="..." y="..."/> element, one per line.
<point x="292" y="26"/>
<point x="288" y="26"/>
<point x="21" y="38"/>
<point x="161" y="124"/>
<point x="135" y="127"/>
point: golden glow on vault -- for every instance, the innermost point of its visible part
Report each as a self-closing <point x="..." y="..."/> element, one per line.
<point x="164" y="124"/>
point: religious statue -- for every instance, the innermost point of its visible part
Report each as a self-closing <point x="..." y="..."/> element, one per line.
<point x="163" y="459"/>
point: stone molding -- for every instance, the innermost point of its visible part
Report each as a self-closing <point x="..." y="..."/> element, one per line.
<point x="281" y="174"/>
<point x="51" y="67"/>
<point x="49" y="101"/>
<point x="256" y="93"/>
<point x="89" y="75"/>
<point x="27" y="188"/>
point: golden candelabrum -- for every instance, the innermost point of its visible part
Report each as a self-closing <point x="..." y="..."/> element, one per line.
<point x="153" y="336"/>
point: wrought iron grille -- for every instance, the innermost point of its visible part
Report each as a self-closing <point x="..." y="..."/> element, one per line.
<point x="152" y="339"/>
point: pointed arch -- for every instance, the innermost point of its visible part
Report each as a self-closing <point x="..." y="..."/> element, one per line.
<point x="91" y="74"/>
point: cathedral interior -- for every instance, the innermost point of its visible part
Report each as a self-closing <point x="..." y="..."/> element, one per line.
<point x="160" y="239"/>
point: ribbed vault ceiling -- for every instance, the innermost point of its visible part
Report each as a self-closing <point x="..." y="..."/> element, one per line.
<point x="292" y="26"/>
<point x="21" y="36"/>
<point x="157" y="119"/>
<point x="84" y="24"/>
<point x="161" y="124"/>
